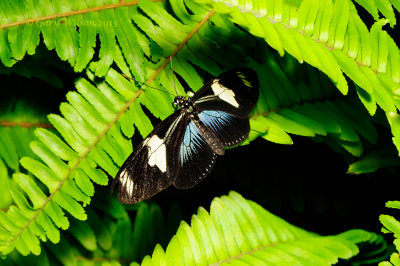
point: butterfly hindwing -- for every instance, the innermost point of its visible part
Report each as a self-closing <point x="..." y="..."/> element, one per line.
<point x="196" y="157"/>
<point x="231" y="130"/>
<point x="153" y="165"/>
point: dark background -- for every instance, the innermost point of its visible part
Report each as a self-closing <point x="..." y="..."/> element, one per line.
<point x="304" y="183"/>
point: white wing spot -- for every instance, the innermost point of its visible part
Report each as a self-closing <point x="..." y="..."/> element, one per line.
<point x="127" y="182"/>
<point x="157" y="153"/>
<point x="122" y="176"/>
<point x="224" y="93"/>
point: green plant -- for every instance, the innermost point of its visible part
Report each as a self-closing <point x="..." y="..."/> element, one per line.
<point x="391" y="225"/>
<point x="50" y="170"/>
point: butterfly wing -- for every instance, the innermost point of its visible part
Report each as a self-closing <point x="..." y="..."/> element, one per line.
<point x="230" y="130"/>
<point x="196" y="158"/>
<point x="225" y="102"/>
<point x="153" y="165"/>
<point x="235" y="92"/>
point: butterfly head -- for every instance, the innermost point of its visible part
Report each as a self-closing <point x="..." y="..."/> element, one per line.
<point x="183" y="104"/>
<point x="179" y="101"/>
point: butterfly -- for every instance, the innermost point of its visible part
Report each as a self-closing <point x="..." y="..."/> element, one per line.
<point x="183" y="148"/>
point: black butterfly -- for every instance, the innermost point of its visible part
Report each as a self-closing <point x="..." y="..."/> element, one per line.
<point x="182" y="149"/>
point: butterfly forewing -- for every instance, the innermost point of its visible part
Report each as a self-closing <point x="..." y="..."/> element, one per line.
<point x="152" y="166"/>
<point x="235" y="91"/>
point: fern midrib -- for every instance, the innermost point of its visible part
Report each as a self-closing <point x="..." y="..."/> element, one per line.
<point x="179" y="47"/>
<point x="265" y="114"/>
<point x="6" y="123"/>
<point x="102" y="134"/>
<point x="333" y="98"/>
<point x="101" y="259"/>
<point x="249" y="252"/>
<point x="72" y="13"/>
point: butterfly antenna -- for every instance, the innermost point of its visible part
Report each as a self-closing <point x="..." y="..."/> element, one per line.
<point x="173" y="80"/>
<point x="147" y="85"/>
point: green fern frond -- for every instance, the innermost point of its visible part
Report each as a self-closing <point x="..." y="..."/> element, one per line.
<point x="238" y="230"/>
<point x="307" y="106"/>
<point x="391" y="225"/>
<point x="21" y="24"/>
<point x="19" y="117"/>
<point x="384" y="7"/>
<point x="121" y="41"/>
<point x="154" y="33"/>
<point x="109" y="235"/>
<point x="372" y="249"/>
<point x="106" y="239"/>
<point x="370" y="162"/>
<point x="5" y="196"/>
<point x="331" y="37"/>
<point x="67" y="173"/>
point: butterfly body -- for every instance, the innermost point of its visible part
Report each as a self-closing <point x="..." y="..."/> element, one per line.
<point x="183" y="148"/>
